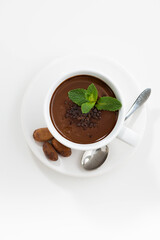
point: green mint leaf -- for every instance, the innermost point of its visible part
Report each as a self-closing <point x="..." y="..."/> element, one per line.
<point x="86" y="107"/>
<point x="91" y="93"/>
<point x="108" y="103"/>
<point x="77" y="96"/>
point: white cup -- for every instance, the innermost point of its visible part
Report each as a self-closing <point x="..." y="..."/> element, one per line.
<point x="125" y="134"/>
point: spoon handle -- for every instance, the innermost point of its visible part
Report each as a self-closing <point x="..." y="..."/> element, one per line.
<point x="139" y="101"/>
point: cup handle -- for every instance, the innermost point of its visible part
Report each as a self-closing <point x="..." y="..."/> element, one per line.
<point x="129" y="136"/>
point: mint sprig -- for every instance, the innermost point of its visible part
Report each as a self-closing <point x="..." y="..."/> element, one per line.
<point x="86" y="107"/>
<point x="78" y="96"/>
<point x="87" y="99"/>
<point x="108" y="103"/>
<point x="91" y="93"/>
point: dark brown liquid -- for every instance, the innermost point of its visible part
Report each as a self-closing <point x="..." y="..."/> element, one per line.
<point x="72" y="132"/>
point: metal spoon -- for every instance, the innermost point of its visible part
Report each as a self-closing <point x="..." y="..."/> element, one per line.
<point x="93" y="159"/>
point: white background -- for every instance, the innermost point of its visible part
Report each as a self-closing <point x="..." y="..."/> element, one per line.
<point x="37" y="203"/>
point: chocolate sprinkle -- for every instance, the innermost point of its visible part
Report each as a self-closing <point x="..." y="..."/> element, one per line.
<point x="83" y="120"/>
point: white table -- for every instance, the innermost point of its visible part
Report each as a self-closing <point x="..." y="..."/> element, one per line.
<point x="37" y="203"/>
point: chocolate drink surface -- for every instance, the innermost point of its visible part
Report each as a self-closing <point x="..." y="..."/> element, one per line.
<point x="68" y="119"/>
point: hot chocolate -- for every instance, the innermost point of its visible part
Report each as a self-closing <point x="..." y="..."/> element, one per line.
<point x="70" y="122"/>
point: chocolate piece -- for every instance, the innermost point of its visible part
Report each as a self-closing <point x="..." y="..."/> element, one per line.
<point x="42" y="135"/>
<point x="49" y="151"/>
<point x="61" y="149"/>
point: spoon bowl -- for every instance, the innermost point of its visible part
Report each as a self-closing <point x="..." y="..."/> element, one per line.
<point x="94" y="158"/>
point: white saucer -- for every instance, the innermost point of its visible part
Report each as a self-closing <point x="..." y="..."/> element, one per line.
<point x="32" y="113"/>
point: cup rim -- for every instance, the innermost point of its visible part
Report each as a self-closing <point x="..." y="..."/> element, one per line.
<point x="79" y="146"/>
